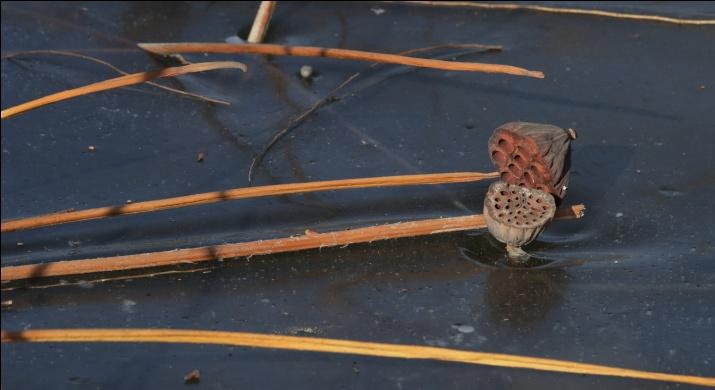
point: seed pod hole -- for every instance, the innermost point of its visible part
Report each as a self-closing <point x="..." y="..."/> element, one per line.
<point x="521" y="161"/>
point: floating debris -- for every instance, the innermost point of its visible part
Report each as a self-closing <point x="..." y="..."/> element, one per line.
<point x="463" y="328"/>
<point x="192" y="377"/>
<point x="306" y="72"/>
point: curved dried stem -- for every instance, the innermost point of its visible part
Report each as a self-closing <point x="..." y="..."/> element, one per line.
<point x="325" y="345"/>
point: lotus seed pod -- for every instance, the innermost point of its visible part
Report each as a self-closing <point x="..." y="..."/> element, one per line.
<point x="515" y="215"/>
<point x="533" y="155"/>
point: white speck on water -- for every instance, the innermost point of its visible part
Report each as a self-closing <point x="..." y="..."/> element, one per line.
<point x="306" y="71"/>
<point x="128" y="306"/>
<point x="618" y="215"/>
<point x="463" y="328"/>
<point x="377" y="11"/>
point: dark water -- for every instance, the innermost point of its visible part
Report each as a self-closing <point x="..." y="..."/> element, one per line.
<point x="630" y="285"/>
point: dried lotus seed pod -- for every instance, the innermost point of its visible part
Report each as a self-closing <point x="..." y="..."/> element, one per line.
<point x="533" y="155"/>
<point x="515" y="215"/>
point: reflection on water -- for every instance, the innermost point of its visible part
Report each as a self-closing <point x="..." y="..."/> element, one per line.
<point x="519" y="295"/>
<point x="523" y="298"/>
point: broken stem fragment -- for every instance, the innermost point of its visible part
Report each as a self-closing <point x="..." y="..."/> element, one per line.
<point x="260" y="24"/>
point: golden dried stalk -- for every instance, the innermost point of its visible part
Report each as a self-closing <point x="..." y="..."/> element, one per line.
<point x="350" y="347"/>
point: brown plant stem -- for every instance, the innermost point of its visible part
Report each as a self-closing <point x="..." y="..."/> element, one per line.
<point x="559" y="10"/>
<point x="118" y="82"/>
<point x="241" y="193"/>
<point x="114" y="68"/>
<point x="260" y="23"/>
<point x="309" y="240"/>
<point x="343" y="54"/>
<point x="325" y="345"/>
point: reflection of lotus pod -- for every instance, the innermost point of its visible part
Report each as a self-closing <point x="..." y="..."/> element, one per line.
<point x="533" y="155"/>
<point x="516" y="215"/>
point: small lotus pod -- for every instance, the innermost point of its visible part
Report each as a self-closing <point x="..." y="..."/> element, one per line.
<point x="515" y="215"/>
<point x="533" y="155"/>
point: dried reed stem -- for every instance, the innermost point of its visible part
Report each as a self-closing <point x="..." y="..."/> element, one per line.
<point x="343" y="54"/>
<point x="310" y="240"/>
<point x="260" y="23"/>
<point x="349" y="347"/>
<point x="241" y="193"/>
<point x="114" y="68"/>
<point x="559" y="10"/>
<point x="118" y="82"/>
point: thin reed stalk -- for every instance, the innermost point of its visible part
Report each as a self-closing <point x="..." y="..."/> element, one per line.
<point x="240" y="193"/>
<point x="348" y="347"/>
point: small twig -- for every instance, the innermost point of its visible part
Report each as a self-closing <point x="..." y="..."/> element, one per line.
<point x="241" y="193"/>
<point x="343" y="54"/>
<point x="122" y="81"/>
<point x="293" y="124"/>
<point x="260" y="23"/>
<point x="310" y="240"/>
<point x="558" y="10"/>
<point x="330" y="97"/>
<point x="107" y="64"/>
<point x="338" y="346"/>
